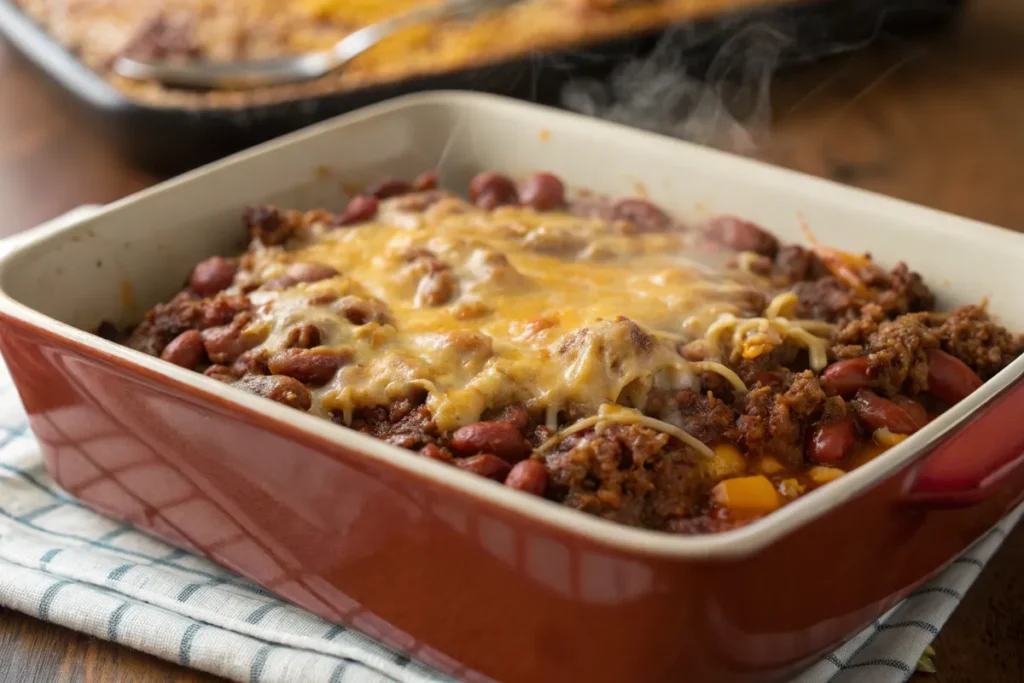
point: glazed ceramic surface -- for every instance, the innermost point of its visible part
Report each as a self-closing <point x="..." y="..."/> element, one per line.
<point x="478" y="580"/>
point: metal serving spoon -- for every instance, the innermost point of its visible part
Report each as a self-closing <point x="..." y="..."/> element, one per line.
<point x="264" y="72"/>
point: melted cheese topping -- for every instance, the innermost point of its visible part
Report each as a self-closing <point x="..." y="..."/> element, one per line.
<point x="483" y="309"/>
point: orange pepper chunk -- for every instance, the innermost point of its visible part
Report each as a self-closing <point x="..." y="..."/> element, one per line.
<point x="750" y="494"/>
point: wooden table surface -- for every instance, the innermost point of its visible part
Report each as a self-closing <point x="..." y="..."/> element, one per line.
<point x="939" y="121"/>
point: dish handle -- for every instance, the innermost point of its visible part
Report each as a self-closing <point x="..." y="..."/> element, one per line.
<point x="976" y="460"/>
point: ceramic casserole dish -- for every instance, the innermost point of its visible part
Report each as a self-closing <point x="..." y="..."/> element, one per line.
<point x="472" y="578"/>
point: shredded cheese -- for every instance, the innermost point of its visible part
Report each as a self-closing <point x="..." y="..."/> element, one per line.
<point x="610" y="413"/>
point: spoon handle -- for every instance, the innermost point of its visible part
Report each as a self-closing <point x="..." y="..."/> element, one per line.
<point x="282" y="70"/>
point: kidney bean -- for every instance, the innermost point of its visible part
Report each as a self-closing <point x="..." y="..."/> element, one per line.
<point x="881" y="413"/>
<point x="529" y="476"/>
<point x="914" y="409"/>
<point x="500" y="438"/>
<point x="435" y="452"/>
<point x="310" y="366"/>
<point x="486" y="465"/>
<point x="489" y="190"/>
<point x="278" y="283"/>
<point x="362" y="311"/>
<point x="304" y="336"/>
<point x="642" y="214"/>
<point x="278" y="388"/>
<point x="846" y="377"/>
<point x="831" y="442"/>
<point x="543" y="192"/>
<point x="391" y="187"/>
<point x="742" y="235"/>
<point x="359" y="210"/>
<point x="185" y="350"/>
<point x="252" y="362"/>
<point x="221" y="309"/>
<point x="310" y="271"/>
<point x="949" y="378"/>
<point x="425" y="181"/>
<point x="517" y="416"/>
<point x="212" y="275"/>
<point x="436" y="288"/>
<point x="226" y="343"/>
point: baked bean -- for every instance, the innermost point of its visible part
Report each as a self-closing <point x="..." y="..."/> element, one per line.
<point x="322" y="298"/>
<point x="278" y="388"/>
<point x="543" y="192"/>
<point x="846" y="377"/>
<point x="914" y="409"/>
<point x="529" y="476"/>
<point x="226" y="343"/>
<point x="252" y="362"/>
<point x="949" y="378"/>
<point x="212" y="275"/>
<point x="831" y="442"/>
<point x="185" y="350"/>
<point x="490" y="190"/>
<point x="881" y="413"/>
<point x="392" y="187"/>
<point x="742" y="235"/>
<point x="425" y="181"/>
<point x="435" y="452"/>
<point x="221" y="309"/>
<point x="500" y="438"/>
<point x="641" y="214"/>
<point x="516" y="416"/>
<point x="108" y="330"/>
<point x="278" y="283"/>
<point x="310" y="366"/>
<point x="359" y="210"/>
<point x="486" y="465"/>
<point x="362" y="311"/>
<point x="311" y="271"/>
<point x="436" y="288"/>
<point x="304" y="336"/>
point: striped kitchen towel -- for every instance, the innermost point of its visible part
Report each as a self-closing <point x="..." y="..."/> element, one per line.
<point x="65" y="564"/>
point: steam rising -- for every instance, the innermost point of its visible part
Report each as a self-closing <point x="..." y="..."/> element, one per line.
<point x="729" y="107"/>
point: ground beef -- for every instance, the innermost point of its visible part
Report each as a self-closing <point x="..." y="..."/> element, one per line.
<point x="825" y="299"/>
<point x="184" y="312"/>
<point x="794" y="264"/>
<point x="774" y="423"/>
<point x="970" y="335"/>
<point x="706" y="416"/>
<point x="628" y="474"/>
<point x="895" y="350"/>
<point x="905" y="293"/>
<point x="406" y="423"/>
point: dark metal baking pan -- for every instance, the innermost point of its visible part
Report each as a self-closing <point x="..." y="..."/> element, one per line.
<point x="169" y="140"/>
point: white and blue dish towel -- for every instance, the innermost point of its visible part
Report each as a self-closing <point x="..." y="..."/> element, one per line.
<point x="65" y="564"/>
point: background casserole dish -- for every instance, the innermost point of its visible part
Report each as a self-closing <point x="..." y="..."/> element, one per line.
<point x="480" y="579"/>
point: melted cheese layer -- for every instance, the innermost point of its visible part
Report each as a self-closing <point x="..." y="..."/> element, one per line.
<point x="483" y="309"/>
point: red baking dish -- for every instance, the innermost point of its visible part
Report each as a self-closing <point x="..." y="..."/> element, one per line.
<point x="477" y="580"/>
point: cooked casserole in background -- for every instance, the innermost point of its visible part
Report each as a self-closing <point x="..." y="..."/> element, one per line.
<point x="599" y="353"/>
<point x="98" y="31"/>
